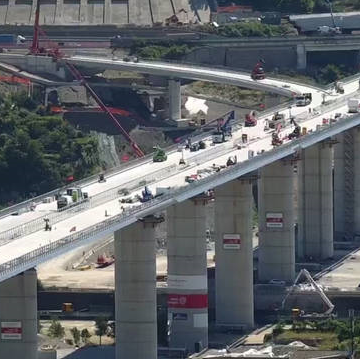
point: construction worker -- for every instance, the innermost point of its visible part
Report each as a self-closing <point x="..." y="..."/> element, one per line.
<point x="47" y="225"/>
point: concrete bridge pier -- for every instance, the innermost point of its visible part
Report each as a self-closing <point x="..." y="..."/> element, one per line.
<point x="301" y="57"/>
<point x="234" y="254"/>
<point x="135" y="290"/>
<point x="174" y="99"/>
<point x="344" y="186"/>
<point x="18" y="316"/>
<point x="315" y="202"/>
<point x="276" y="222"/>
<point x="187" y="275"/>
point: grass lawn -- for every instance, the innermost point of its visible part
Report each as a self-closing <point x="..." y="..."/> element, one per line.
<point x="321" y="340"/>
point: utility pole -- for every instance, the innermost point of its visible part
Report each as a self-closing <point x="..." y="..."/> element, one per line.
<point x="331" y="11"/>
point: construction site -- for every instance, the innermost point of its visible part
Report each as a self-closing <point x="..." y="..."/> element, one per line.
<point x="148" y="114"/>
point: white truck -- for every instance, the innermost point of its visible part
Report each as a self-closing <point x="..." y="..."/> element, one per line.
<point x="72" y="195"/>
<point x="329" y="30"/>
<point x="303" y="99"/>
<point x="354" y="105"/>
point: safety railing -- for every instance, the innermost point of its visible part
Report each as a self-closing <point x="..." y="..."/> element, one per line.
<point x="94" y="201"/>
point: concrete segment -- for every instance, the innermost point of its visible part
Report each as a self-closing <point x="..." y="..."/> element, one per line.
<point x="95" y="11"/>
<point x="161" y="10"/>
<point x="187" y="275"/>
<point x="276" y="222"/>
<point x="234" y="266"/>
<point x="19" y="12"/>
<point x="316" y="201"/>
<point x="174" y="99"/>
<point x="119" y="12"/>
<point x="18" y="308"/>
<point x="47" y="12"/>
<point x="139" y="12"/>
<point x="135" y="292"/>
<point x="71" y="13"/>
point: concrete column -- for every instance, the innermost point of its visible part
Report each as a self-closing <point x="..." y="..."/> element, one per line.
<point x="276" y="222"/>
<point x="301" y="57"/>
<point x="174" y="100"/>
<point x="316" y="201"/>
<point x="187" y="275"/>
<point x="135" y="291"/>
<point x="339" y="188"/>
<point x="18" y="316"/>
<point x="234" y="254"/>
<point x="356" y="181"/>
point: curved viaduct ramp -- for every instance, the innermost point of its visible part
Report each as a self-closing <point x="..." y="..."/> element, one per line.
<point x="190" y="72"/>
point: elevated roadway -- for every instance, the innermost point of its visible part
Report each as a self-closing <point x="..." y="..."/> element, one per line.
<point x="184" y="71"/>
<point x="26" y="244"/>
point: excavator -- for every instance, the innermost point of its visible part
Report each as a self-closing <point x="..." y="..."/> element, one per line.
<point x="232" y="160"/>
<point x="297" y="130"/>
<point x="146" y="195"/>
<point x="258" y="72"/>
<point x="311" y="284"/>
<point x="250" y="119"/>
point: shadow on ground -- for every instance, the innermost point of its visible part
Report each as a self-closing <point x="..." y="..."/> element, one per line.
<point x="103" y="352"/>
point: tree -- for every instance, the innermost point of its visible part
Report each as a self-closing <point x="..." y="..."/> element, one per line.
<point x="85" y="335"/>
<point x="101" y="327"/>
<point x="75" y="332"/>
<point x="38" y="152"/>
<point x="56" y="330"/>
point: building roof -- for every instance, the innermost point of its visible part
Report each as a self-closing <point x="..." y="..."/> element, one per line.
<point x="274" y="352"/>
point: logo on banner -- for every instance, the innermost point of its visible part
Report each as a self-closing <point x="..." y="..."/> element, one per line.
<point x="187" y="301"/>
<point x="274" y="220"/>
<point x="231" y="241"/>
<point x="11" y="330"/>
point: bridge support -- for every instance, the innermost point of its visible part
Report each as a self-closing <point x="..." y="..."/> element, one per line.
<point x="135" y="291"/>
<point x="18" y="316"/>
<point x="187" y="275"/>
<point x="276" y="222"/>
<point x="344" y="186"/>
<point x="301" y="57"/>
<point x="234" y="254"/>
<point x="315" y="202"/>
<point x="174" y="100"/>
<point x="347" y="185"/>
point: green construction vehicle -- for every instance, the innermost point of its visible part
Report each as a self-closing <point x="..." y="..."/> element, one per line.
<point x="159" y="155"/>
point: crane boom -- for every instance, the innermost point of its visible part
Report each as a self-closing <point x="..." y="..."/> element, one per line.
<point x="93" y="94"/>
<point x="319" y="290"/>
<point x="36" y="50"/>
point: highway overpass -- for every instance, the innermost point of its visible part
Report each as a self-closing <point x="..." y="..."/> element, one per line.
<point x="25" y="244"/>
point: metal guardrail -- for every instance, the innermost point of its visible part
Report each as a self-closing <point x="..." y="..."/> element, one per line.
<point x="94" y="201"/>
<point x="103" y="197"/>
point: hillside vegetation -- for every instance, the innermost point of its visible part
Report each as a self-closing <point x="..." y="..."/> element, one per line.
<point x="38" y="152"/>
